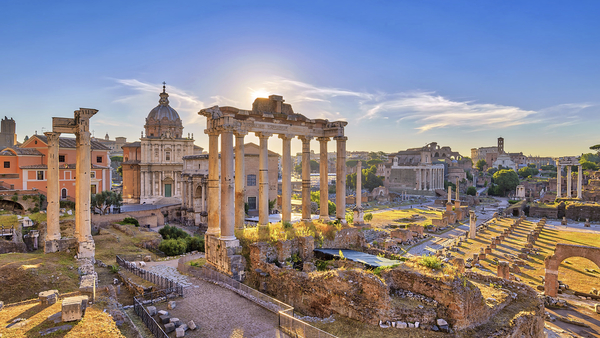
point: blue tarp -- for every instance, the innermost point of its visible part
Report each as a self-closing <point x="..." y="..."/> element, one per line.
<point x="357" y="256"/>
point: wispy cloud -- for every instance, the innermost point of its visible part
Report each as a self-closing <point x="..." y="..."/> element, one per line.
<point x="424" y="110"/>
<point x="187" y="105"/>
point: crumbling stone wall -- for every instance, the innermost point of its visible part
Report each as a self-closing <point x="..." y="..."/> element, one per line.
<point x="351" y="238"/>
<point x="543" y="212"/>
<point x="356" y="294"/>
<point x="580" y="212"/>
<point x="463" y="301"/>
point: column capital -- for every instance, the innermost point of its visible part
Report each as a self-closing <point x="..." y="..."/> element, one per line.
<point x="263" y="135"/>
<point x="212" y="132"/>
<point x="85" y="113"/>
<point x="240" y="133"/>
<point x="340" y="138"/>
<point x="52" y="137"/>
<point x="286" y="136"/>
<point x="323" y="139"/>
<point x="305" y="139"/>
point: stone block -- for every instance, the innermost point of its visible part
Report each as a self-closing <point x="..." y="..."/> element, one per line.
<point x="71" y="309"/>
<point x="488" y="250"/>
<point x="169" y="327"/>
<point x="503" y="270"/>
<point x="176" y="321"/>
<point x="171" y="305"/>
<point x="87" y="286"/>
<point x="184" y="327"/>
<point x="597" y="308"/>
<point x="162" y="313"/>
<point x="152" y="310"/>
<point x="147" y="258"/>
<point x="48" y="297"/>
<point x="165" y="319"/>
<point x="401" y="325"/>
<point x="191" y="325"/>
<point x="179" y="332"/>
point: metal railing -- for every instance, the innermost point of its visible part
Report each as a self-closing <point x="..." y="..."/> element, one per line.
<point x="162" y="282"/>
<point x="150" y="323"/>
<point x="289" y="324"/>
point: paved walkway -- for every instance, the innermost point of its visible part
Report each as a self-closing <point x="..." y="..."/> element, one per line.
<point x="217" y="311"/>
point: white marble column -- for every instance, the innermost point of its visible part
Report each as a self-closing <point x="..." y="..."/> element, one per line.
<point x="340" y="198"/>
<point x="569" y="179"/>
<point x="286" y="178"/>
<point x="53" y="192"/>
<point x="240" y="179"/>
<point x="203" y="203"/>
<point x="579" y="181"/>
<point x="558" y="180"/>
<point x="324" y="185"/>
<point x="305" y="177"/>
<point x="263" y="178"/>
<point x="213" y="183"/>
<point x="227" y="185"/>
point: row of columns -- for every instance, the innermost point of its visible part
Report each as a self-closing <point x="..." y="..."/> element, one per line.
<point x="569" y="179"/>
<point x="430" y="178"/>
<point x="225" y="216"/>
<point x="153" y="184"/>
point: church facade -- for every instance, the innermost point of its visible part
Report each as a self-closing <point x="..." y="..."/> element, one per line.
<point x="152" y="166"/>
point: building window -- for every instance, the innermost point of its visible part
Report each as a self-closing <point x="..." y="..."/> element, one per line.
<point x="61" y="158"/>
<point x="251" y="203"/>
<point x="93" y="174"/>
<point x="168" y="156"/>
<point x="98" y="159"/>
<point x="251" y="180"/>
<point x="40" y="175"/>
<point x="6" y="164"/>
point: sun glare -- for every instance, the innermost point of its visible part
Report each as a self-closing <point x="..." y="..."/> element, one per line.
<point x="260" y="93"/>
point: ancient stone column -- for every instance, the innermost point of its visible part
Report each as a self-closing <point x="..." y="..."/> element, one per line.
<point x="472" y="225"/>
<point x="569" y="178"/>
<point x="53" y="193"/>
<point x="558" y="180"/>
<point x="214" y="227"/>
<point x="579" y="181"/>
<point x="305" y="177"/>
<point x="240" y="177"/>
<point x="449" y="194"/>
<point x="227" y="185"/>
<point x="286" y="178"/>
<point x="84" y="165"/>
<point x="340" y="198"/>
<point x="430" y="172"/>
<point x="358" y="210"/>
<point x="323" y="176"/>
<point x="419" y="185"/>
<point x="263" y="178"/>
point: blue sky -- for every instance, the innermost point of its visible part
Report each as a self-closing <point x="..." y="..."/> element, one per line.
<point x="402" y="73"/>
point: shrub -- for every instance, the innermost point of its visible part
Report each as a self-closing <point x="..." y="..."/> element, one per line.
<point x="430" y="262"/>
<point x="368" y="217"/>
<point x="173" y="247"/>
<point x="67" y="204"/>
<point x="349" y="218"/>
<point x="169" y="232"/>
<point x="321" y="265"/>
<point x="114" y="268"/>
<point x="378" y="270"/>
<point x="472" y="191"/>
<point x="195" y="243"/>
<point x="15" y="197"/>
<point x="287" y="225"/>
<point x="131" y="220"/>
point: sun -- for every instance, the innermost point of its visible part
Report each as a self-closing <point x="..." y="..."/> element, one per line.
<point x="259" y="93"/>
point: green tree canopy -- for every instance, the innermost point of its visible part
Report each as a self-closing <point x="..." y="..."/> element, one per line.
<point x="351" y="163"/>
<point x="506" y="180"/>
<point x="373" y="162"/>
<point x="587" y="165"/>
<point x="589" y="157"/>
<point x="369" y="180"/>
<point x="527" y="171"/>
<point x="104" y="200"/>
<point x="492" y="170"/>
<point x="314" y="166"/>
<point x="481" y="164"/>
<point x="116" y="158"/>
<point x="472" y="191"/>
<point x="549" y="167"/>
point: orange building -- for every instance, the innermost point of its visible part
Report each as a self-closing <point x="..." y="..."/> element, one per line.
<point x="25" y="167"/>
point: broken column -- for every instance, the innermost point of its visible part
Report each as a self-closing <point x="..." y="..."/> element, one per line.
<point x="358" y="210"/>
<point x="472" y="225"/>
<point x="504" y="270"/>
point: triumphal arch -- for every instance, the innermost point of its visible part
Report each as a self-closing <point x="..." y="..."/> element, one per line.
<point x="269" y="116"/>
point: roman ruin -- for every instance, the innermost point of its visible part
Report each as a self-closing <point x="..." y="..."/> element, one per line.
<point x="266" y="118"/>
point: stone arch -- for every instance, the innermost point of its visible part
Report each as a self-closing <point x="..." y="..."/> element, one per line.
<point x="11" y="205"/>
<point x="562" y="252"/>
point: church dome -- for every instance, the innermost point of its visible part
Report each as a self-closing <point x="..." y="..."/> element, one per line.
<point x="163" y="121"/>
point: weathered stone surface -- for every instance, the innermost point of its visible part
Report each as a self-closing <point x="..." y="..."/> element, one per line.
<point x="308" y="267"/>
<point x="597" y="308"/>
<point x="191" y="325"/>
<point x="48" y="297"/>
<point x="179" y="332"/>
<point x="165" y="319"/>
<point x="171" y="305"/>
<point x="163" y="312"/>
<point x="152" y="310"/>
<point x="169" y="327"/>
<point x="72" y="309"/>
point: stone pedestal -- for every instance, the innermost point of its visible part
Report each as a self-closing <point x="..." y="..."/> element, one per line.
<point x="87" y="287"/>
<point x="504" y="270"/>
<point x="472" y="225"/>
<point x="87" y="248"/>
<point x="48" y="297"/>
<point x="225" y="256"/>
<point x="73" y="308"/>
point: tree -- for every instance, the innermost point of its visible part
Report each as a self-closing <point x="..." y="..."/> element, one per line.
<point x="116" y="158"/>
<point x="492" y="170"/>
<point x="481" y="164"/>
<point x="368" y="217"/>
<point x="315" y="196"/>
<point x="527" y="171"/>
<point x="589" y="157"/>
<point x="472" y="191"/>
<point x="549" y="167"/>
<point x="298" y="169"/>
<point x="104" y="200"/>
<point x="314" y="166"/>
<point x="369" y="180"/>
<point x="351" y="163"/>
<point x="587" y="165"/>
<point x="506" y="180"/>
<point x="120" y="170"/>
<point x="469" y="175"/>
<point x="596" y="147"/>
<point x="373" y="162"/>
